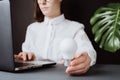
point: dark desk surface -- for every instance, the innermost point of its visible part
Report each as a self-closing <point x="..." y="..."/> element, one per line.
<point x="57" y="72"/>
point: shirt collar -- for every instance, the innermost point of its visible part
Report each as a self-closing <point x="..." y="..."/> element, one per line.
<point x="55" y="20"/>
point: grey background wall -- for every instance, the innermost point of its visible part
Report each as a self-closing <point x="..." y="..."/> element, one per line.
<point x="78" y="10"/>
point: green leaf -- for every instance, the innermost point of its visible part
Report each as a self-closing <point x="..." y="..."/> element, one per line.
<point x="104" y="38"/>
<point x="101" y="32"/>
<point x="97" y="16"/>
<point x="106" y="27"/>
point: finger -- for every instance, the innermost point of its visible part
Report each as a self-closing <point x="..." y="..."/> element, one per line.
<point x="31" y="56"/>
<point x="24" y="56"/>
<point x="78" y="60"/>
<point x="74" y="68"/>
<point x="18" y="56"/>
<point x="78" y="69"/>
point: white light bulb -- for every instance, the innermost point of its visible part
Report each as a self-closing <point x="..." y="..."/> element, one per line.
<point x="68" y="49"/>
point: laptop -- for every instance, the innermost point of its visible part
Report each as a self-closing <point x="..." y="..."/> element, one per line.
<point x="7" y="62"/>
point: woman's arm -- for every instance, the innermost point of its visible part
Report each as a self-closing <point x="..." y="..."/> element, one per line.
<point x="85" y="55"/>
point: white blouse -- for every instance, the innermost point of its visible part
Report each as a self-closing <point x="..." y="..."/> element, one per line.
<point x="43" y="39"/>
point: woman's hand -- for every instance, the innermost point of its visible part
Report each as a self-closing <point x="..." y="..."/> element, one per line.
<point x="79" y="65"/>
<point x="25" y="56"/>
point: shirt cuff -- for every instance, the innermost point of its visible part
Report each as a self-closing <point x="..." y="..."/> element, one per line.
<point x="92" y="55"/>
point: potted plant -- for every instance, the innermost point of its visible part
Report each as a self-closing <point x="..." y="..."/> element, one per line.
<point x="106" y="27"/>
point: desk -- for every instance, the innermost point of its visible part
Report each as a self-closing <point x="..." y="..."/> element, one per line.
<point x="57" y="72"/>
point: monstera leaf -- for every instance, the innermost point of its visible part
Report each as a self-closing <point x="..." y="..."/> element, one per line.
<point x="106" y="27"/>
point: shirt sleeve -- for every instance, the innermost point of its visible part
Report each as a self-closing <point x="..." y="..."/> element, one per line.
<point x="26" y="43"/>
<point x="85" y="45"/>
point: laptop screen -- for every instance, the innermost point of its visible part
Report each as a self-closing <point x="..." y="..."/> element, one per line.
<point x="6" y="50"/>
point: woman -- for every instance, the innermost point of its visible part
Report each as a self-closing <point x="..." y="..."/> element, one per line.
<point x="43" y="38"/>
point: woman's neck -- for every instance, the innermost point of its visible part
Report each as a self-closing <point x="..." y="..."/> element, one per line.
<point x="58" y="13"/>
